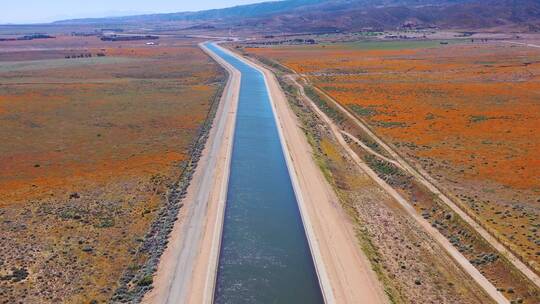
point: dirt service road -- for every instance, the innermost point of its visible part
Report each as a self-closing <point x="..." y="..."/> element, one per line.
<point x="186" y="272"/>
<point x="434" y="233"/>
<point x="333" y="242"/>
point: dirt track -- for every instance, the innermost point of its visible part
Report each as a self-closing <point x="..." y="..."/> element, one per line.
<point x="430" y="183"/>
<point x="435" y="234"/>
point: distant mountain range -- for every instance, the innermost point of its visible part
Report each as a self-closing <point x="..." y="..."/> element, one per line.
<point x="352" y="15"/>
<point x="241" y="11"/>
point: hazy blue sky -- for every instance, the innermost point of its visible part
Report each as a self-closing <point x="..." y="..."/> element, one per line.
<point x="31" y="11"/>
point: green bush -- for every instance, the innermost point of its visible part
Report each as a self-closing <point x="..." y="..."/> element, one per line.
<point x="147" y="280"/>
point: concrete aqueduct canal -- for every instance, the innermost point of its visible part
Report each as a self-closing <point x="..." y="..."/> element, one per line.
<point x="265" y="256"/>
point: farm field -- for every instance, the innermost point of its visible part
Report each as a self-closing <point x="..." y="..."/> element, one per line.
<point x="91" y="148"/>
<point x="466" y="113"/>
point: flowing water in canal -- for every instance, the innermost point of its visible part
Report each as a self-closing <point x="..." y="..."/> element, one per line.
<point x="265" y="256"/>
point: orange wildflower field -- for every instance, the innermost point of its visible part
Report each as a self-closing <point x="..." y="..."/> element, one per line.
<point x="468" y="113"/>
<point x="89" y="149"/>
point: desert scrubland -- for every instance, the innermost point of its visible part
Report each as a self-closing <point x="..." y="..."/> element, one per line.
<point x="91" y="150"/>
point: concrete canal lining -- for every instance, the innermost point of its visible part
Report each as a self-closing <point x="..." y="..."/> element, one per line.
<point x="265" y="254"/>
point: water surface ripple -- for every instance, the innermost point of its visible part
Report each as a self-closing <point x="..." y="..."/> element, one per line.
<point x="265" y="257"/>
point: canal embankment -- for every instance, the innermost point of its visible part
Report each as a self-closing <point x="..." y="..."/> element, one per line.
<point x="346" y="272"/>
<point x="342" y="271"/>
<point x="265" y="256"/>
<point x="184" y="273"/>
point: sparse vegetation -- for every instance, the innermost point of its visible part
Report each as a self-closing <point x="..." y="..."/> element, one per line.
<point x="391" y="256"/>
<point x="147" y="280"/>
<point x="93" y="161"/>
<point x="323" y="104"/>
<point x="363" y="111"/>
